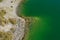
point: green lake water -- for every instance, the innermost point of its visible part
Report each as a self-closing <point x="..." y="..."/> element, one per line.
<point x="48" y="14"/>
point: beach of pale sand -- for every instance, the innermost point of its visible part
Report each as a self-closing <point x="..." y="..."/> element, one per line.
<point x="10" y="7"/>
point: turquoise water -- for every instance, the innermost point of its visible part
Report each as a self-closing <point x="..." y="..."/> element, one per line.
<point x="48" y="25"/>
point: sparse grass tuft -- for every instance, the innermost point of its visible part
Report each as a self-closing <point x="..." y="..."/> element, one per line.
<point x="1" y="0"/>
<point x="5" y="35"/>
<point x="13" y="21"/>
